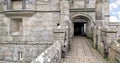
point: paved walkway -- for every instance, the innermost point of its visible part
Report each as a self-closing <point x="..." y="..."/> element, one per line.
<point x="82" y="52"/>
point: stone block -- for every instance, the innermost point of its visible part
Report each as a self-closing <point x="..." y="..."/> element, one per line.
<point x="64" y="7"/>
<point x="65" y="11"/>
<point x="29" y="52"/>
<point x="64" y="4"/>
<point x="48" y="6"/>
<point x="2" y="57"/>
<point x="64" y="18"/>
<point x="49" y="28"/>
<point x="6" y="21"/>
<point x="29" y="38"/>
<point x="4" y="30"/>
<point x="1" y="23"/>
<point x="35" y="29"/>
<point x="55" y="8"/>
<point x="79" y="4"/>
<point x="17" y="39"/>
<point x="91" y="4"/>
<point x="6" y="39"/>
<point x="32" y="23"/>
<point x="30" y="6"/>
<point x="27" y="33"/>
<point x="47" y="35"/>
<point x="8" y="53"/>
<point x="55" y="17"/>
<point x="59" y="35"/>
<point x="3" y="33"/>
<point x="46" y="23"/>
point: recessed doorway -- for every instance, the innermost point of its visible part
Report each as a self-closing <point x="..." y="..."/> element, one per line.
<point x="79" y="28"/>
<point x="82" y="25"/>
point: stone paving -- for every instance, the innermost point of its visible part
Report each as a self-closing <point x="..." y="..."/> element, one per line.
<point x="82" y="52"/>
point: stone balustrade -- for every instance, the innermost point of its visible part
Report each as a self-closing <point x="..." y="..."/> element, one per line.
<point x="50" y="55"/>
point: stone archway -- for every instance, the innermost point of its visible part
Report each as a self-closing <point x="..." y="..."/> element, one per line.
<point x="85" y="24"/>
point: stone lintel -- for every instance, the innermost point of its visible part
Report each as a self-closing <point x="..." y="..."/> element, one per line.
<point x="31" y="11"/>
<point x="18" y="13"/>
<point x="83" y="10"/>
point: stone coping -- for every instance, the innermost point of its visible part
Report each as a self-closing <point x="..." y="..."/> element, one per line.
<point x="30" y="43"/>
<point x="82" y="10"/>
<point x="114" y="24"/>
<point x="52" y="53"/>
<point x="109" y="30"/>
<point x="115" y="47"/>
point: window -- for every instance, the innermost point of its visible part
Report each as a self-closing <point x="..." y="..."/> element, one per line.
<point x="86" y="1"/>
<point x="16" y="4"/>
<point x="16" y="25"/>
<point x="20" y="57"/>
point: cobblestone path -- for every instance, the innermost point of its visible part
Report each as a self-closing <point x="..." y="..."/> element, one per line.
<point x="82" y="52"/>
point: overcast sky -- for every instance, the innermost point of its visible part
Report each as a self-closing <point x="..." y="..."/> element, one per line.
<point x="114" y="10"/>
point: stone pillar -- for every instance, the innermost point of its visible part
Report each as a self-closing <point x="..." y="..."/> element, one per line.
<point x="94" y="36"/>
<point x="85" y="28"/>
<point x="9" y="7"/>
<point x="23" y="4"/>
<point x="105" y="9"/>
<point x="99" y="10"/>
<point x="98" y="41"/>
<point x="64" y="8"/>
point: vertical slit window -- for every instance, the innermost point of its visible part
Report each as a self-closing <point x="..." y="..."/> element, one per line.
<point x="20" y="55"/>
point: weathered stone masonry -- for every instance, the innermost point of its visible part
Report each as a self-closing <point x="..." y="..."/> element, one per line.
<point x="36" y="34"/>
<point x="29" y="27"/>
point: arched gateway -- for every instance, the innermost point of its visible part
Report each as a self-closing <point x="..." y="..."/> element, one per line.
<point x="82" y="24"/>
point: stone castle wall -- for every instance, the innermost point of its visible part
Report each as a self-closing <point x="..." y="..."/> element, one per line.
<point x="50" y="55"/>
<point x="40" y="21"/>
<point x="37" y="32"/>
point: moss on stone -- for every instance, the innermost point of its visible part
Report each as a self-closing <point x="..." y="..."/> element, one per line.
<point x="1" y="8"/>
<point x="118" y="40"/>
<point x="90" y="36"/>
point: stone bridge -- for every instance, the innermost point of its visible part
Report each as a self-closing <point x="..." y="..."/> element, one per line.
<point x="81" y="52"/>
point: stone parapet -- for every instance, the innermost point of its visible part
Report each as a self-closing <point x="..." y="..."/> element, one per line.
<point x="50" y="55"/>
<point x="114" y="54"/>
<point x="11" y="52"/>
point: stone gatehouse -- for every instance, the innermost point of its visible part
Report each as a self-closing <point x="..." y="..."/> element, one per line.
<point x="28" y="27"/>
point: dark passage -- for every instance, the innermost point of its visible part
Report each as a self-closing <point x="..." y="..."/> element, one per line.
<point x="79" y="28"/>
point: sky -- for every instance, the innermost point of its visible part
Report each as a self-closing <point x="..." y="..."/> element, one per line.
<point x="114" y="11"/>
